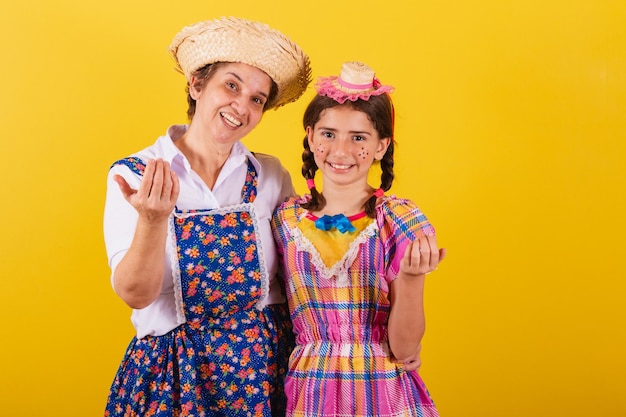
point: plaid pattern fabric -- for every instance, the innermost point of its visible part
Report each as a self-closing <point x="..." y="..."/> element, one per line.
<point x="341" y="365"/>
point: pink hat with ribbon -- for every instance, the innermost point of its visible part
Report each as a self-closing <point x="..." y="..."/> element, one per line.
<point x="356" y="81"/>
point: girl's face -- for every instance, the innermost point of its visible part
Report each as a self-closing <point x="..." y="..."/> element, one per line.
<point x="345" y="144"/>
<point x="231" y="103"/>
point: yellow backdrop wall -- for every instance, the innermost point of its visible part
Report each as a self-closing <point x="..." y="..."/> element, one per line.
<point x="511" y="129"/>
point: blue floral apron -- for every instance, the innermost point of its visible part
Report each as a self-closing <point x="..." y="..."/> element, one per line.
<point x="226" y="359"/>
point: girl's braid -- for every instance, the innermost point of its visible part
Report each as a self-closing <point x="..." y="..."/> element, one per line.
<point x="386" y="179"/>
<point x="309" y="167"/>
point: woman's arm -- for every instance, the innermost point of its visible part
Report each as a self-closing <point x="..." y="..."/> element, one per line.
<point x="406" y="320"/>
<point x="139" y="275"/>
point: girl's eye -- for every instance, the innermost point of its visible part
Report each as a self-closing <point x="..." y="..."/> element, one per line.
<point x="231" y="85"/>
<point x="358" y="138"/>
<point x="328" y="134"/>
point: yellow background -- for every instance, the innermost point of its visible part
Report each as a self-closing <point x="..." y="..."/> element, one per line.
<point x="511" y="127"/>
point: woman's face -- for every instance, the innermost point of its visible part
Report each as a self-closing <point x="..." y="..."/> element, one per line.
<point x="231" y="103"/>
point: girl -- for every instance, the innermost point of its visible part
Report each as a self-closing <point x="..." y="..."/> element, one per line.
<point x="355" y="262"/>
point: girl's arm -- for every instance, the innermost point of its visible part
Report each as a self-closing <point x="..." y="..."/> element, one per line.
<point x="139" y="275"/>
<point x="406" y="320"/>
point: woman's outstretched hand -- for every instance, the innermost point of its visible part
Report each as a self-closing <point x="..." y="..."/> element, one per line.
<point x="157" y="194"/>
<point x="138" y="277"/>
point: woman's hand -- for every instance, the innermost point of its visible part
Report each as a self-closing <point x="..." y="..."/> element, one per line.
<point x="157" y="194"/>
<point x="139" y="275"/>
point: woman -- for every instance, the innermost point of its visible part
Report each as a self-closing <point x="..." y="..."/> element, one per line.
<point x="188" y="236"/>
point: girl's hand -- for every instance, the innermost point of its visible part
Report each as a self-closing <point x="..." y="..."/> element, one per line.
<point x="421" y="256"/>
<point x="157" y="194"/>
<point x="412" y="363"/>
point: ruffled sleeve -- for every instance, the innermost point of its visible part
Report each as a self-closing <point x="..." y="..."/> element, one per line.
<point x="400" y="222"/>
<point x="284" y="219"/>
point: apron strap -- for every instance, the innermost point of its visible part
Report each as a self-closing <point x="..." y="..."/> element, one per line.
<point x="135" y="164"/>
<point x="248" y="191"/>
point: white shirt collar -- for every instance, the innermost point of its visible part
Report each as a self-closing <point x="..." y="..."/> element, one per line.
<point x="238" y="154"/>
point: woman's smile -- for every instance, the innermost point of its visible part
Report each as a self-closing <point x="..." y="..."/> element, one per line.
<point x="230" y="120"/>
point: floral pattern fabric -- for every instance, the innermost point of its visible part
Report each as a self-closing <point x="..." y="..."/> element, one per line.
<point x="226" y="359"/>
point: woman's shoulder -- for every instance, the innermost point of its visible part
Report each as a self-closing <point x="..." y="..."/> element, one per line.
<point x="136" y="161"/>
<point x="265" y="158"/>
<point x="268" y="162"/>
<point x="273" y="175"/>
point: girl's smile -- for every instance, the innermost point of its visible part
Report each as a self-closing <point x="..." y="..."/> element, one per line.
<point x="345" y="145"/>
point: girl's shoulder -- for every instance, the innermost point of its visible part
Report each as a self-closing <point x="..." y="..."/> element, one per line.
<point x="393" y="202"/>
<point x="397" y="207"/>
<point x="291" y="210"/>
<point x="402" y="216"/>
<point x="294" y="203"/>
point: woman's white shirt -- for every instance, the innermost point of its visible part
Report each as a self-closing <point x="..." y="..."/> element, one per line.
<point x="274" y="187"/>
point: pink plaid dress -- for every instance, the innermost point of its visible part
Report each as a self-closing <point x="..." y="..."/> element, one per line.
<point x="342" y="365"/>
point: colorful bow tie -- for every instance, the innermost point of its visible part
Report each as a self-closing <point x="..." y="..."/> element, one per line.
<point x="338" y="221"/>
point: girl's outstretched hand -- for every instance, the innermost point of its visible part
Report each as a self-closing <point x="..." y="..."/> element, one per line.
<point x="157" y="194"/>
<point x="422" y="256"/>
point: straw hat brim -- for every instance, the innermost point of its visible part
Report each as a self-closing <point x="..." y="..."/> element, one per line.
<point x="231" y="39"/>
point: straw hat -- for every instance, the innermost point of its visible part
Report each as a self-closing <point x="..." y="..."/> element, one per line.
<point x="230" y="39"/>
<point x="355" y="81"/>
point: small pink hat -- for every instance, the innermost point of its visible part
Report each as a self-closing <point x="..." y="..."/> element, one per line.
<point x="356" y="81"/>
